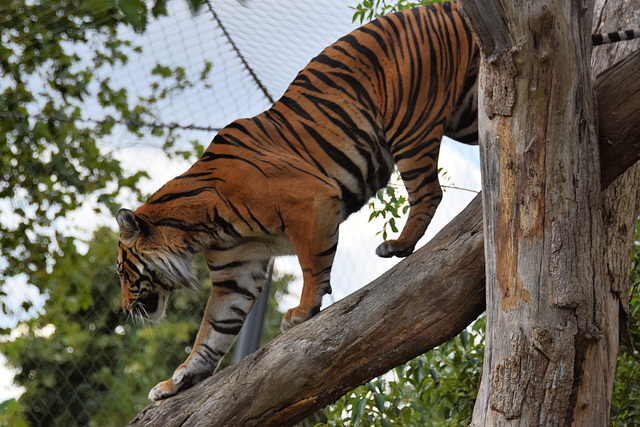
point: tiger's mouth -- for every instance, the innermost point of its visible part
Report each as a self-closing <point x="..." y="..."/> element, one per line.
<point x="150" y="306"/>
<point x="149" y="302"/>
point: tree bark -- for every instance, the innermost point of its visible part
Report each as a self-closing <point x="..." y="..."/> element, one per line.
<point x="552" y="321"/>
<point x="422" y="302"/>
<point x="620" y="204"/>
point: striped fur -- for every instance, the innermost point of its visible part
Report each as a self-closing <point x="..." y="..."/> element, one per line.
<point x="282" y="182"/>
<point x="605" y="38"/>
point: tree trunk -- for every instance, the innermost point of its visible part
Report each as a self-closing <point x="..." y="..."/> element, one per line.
<point x="422" y="302"/>
<point x="620" y="206"/>
<point x="554" y="268"/>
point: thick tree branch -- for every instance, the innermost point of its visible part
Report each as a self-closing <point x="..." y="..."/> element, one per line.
<point x="422" y="302"/>
<point x="618" y="115"/>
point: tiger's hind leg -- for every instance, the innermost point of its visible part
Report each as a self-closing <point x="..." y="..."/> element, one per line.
<point x="313" y="230"/>
<point x="419" y="171"/>
<point x="236" y="286"/>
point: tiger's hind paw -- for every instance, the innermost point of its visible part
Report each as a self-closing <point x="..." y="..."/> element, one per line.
<point x="295" y="316"/>
<point x="393" y="248"/>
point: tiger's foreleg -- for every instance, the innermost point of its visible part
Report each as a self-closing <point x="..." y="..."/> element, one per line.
<point x="236" y="287"/>
<point x="314" y="234"/>
<point x="420" y="176"/>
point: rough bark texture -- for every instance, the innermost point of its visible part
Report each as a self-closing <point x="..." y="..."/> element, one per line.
<point x="420" y="303"/>
<point x="620" y="204"/>
<point x="553" y="241"/>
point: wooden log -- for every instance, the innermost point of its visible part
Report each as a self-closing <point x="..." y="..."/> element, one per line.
<point x="420" y="303"/>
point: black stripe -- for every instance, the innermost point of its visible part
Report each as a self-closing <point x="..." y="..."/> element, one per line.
<point x="329" y="251"/>
<point x="238" y="311"/>
<point x="378" y="38"/>
<point x="364" y="97"/>
<point x="322" y="272"/>
<point x="303" y="81"/>
<point x="296" y="108"/>
<point x="278" y="120"/>
<point x="149" y="275"/>
<point x="258" y="276"/>
<point x="225" y="225"/>
<point x="284" y="121"/>
<point x="614" y="37"/>
<point x="230" y="139"/>
<point x="331" y="63"/>
<point x="337" y="156"/>
<point x="173" y="196"/>
<point x="183" y="225"/>
<point x="208" y="156"/>
<point x="596" y="39"/>
<point x="192" y="175"/>
<point x="427" y="196"/>
<point x="232" y="285"/>
<point x="233" y="264"/>
<point x="352" y="201"/>
<point x="279" y="213"/>
<point x="227" y="327"/>
<point x="237" y="213"/>
<point x="213" y="354"/>
<point x="211" y="179"/>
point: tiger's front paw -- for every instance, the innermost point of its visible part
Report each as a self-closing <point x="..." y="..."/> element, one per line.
<point x="394" y="248"/>
<point x="182" y="379"/>
<point x="295" y="316"/>
<point x="164" y="390"/>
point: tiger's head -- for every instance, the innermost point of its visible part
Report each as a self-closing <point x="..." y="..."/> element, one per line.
<point x="149" y="266"/>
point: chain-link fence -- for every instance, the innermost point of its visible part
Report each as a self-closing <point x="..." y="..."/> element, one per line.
<point x="80" y="362"/>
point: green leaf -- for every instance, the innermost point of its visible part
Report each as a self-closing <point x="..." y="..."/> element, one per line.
<point x="434" y="374"/>
<point x="359" y="409"/>
<point x="8" y="407"/>
<point x="380" y="401"/>
<point x="135" y="13"/>
<point x="195" y="5"/>
<point x="465" y="338"/>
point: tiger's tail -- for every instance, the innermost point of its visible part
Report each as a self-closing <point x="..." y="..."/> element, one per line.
<point x="606" y="38"/>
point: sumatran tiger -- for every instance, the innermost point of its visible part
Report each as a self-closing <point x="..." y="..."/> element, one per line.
<point x="281" y="183"/>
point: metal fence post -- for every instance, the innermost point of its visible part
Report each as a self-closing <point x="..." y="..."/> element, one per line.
<point x="248" y="339"/>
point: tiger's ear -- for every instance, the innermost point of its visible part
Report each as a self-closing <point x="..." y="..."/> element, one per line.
<point x="129" y="228"/>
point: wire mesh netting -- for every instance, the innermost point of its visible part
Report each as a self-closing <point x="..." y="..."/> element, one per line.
<point x="79" y="360"/>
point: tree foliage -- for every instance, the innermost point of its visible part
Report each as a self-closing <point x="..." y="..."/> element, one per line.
<point x="83" y="362"/>
<point x="625" y="402"/>
<point x="371" y="9"/>
<point x="57" y="105"/>
<point x="435" y="389"/>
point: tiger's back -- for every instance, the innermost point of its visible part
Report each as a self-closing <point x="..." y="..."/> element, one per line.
<point x="283" y="181"/>
<point x="381" y="95"/>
